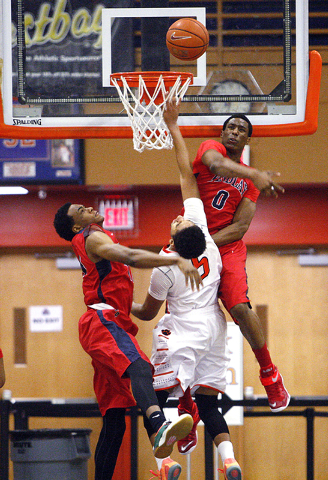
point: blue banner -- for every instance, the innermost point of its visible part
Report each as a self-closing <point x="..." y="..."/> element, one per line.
<point x="41" y="161"/>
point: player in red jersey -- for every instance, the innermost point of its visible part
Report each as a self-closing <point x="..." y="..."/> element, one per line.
<point x="107" y="333"/>
<point x="229" y="190"/>
<point x="2" y="370"/>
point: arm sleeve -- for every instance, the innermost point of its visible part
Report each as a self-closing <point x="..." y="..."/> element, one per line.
<point x="198" y="165"/>
<point x="252" y="192"/>
<point x="161" y="281"/>
<point x="211" y="145"/>
<point x="194" y="211"/>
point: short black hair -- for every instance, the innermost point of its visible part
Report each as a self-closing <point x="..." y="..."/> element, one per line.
<point x="63" y="223"/>
<point x="189" y="242"/>
<point x="243" y="117"/>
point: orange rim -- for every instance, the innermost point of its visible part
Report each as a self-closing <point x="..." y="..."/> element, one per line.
<point x="150" y="78"/>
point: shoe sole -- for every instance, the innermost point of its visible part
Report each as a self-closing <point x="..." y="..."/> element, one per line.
<point x="187" y="452"/>
<point x="174" y="472"/>
<point x="175" y="431"/>
<point x="233" y="473"/>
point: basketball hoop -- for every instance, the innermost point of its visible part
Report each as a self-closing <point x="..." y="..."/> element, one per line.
<point x="145" y="105"/>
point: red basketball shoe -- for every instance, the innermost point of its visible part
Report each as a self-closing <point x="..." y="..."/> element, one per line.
<point x="278" y="396"/>
<point x="189" y="443"/>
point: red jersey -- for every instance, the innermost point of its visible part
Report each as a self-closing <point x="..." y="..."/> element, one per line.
<point x="106" y="281"/>
<point x="220" y="195"/>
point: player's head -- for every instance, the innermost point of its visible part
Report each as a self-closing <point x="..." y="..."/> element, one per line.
<point x="71" y="218"/>
<point x="236" y="133"/>
<point x="188" y="239"/>
<point x="242" y="117"/>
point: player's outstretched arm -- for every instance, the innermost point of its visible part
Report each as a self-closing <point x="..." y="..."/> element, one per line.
<point x="99" y="245"/>
<point x="189" y="188"/>
<point x="225" y="167"/>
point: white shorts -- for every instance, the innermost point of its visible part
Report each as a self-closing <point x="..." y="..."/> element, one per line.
<point x="190" y="351"/>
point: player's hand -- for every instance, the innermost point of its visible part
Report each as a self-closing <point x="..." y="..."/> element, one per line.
<point x="190" y="272"/>
<point x="171" y="112"/>
<point x="264" y="181"/>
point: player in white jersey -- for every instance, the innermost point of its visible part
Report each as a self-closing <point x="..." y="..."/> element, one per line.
<point x="189" y="342"/>
<point x="191" y="351"/>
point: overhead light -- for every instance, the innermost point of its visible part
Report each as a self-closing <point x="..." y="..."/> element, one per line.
<point x="13" y="191"/>
<point x="297" y="251"/>
<point x="68" y="264"/>
<point x="313" y="260"/>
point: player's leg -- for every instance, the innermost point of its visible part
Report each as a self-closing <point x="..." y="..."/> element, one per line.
<point x="233" y="293"/>
<point x="109" y="443"/>
<point x="270" y="377"/>
<point x="167" y="469"/>
<point x="207" y="403"/>
<point x="118" y="358"/>
<point x="210" y="368"/>
<point x="168" y="433"/>
<point x="250" y="326"/>
<point x="187" y="405"/>
<point x="177" y="370"/>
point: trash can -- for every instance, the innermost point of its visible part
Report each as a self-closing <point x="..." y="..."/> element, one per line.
<point x="49" y="454"/>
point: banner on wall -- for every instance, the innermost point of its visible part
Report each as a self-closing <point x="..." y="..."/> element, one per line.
<point x="41" y="161"/>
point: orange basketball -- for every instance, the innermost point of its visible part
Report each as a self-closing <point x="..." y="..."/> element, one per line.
<point x="187" y="39"/>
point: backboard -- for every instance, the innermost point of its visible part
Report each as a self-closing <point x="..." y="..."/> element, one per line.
<point x="58" y="57"/>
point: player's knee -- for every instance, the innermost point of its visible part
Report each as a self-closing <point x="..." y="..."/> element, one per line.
<point x="206" y="404"/>
<point x="139" y="370"/>
<point x="211" y="416"/>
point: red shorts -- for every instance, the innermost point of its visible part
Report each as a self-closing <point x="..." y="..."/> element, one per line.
<point x="233" y="284"/>
<point x="112" y="350"/>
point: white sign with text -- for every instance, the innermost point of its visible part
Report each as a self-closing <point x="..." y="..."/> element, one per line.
<point x="46" y="318"/>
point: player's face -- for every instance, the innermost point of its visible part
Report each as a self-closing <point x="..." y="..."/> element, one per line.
<point x="235" y="135"/>
<point x="179" y="224"/>
<point x="84" y="216"/>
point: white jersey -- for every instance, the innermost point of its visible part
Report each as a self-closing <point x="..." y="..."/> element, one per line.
<point x="189" y="342"/>
<point x="168" y="283"/>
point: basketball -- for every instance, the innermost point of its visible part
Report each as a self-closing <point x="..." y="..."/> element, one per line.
<point x="187" y="39"/>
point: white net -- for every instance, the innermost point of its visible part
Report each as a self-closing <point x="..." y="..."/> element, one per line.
<point x="145" y="106"/>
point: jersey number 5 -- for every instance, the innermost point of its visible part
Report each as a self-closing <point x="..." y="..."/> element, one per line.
<point x="203" y="262"/>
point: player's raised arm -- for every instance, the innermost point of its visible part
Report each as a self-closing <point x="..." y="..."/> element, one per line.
<point x="189" y="188"/>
